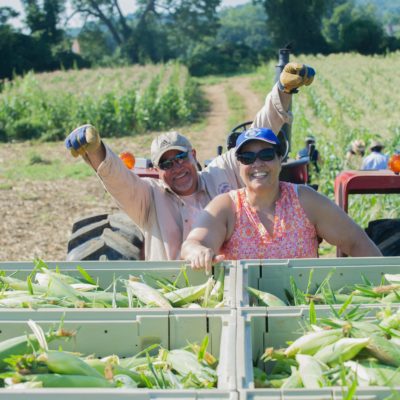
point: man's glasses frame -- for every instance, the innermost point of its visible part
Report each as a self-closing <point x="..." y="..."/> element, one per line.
<point x="249" y="157"/>
<point x="179" y="158"/>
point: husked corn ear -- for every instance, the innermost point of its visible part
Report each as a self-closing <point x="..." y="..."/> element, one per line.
<point x="342" y="350"/>
<point x="61" y="362"/>
<point x="266" y="299"/>
<point x="311" y="343"/>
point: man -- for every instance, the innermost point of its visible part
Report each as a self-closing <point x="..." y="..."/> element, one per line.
<point x="354" y="154"/>
<point x="376" y="160"/>
<point x="165" y="208"/>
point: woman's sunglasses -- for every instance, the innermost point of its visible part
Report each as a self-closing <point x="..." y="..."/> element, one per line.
<point x="249" y="157"/>
<point x="179" y="158"/>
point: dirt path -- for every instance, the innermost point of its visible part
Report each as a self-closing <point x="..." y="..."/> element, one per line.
<point x="37" y="216"/>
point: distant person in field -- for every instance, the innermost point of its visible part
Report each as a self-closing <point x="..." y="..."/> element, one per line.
<point x="375" y="160"/>
<point x="312" y="153"/>
<point x="269" y="218"/>
<point x="354" y="155"/>
<point x="166" y="208"/>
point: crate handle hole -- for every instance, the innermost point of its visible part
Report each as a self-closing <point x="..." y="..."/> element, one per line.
<point x="105" y="331"/>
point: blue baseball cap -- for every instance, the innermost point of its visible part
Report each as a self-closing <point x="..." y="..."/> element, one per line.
<point x="262" y="134"/>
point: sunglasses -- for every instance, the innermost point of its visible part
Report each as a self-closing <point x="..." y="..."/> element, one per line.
<point x="249" y="157"/>
<point x="179" y="158"/>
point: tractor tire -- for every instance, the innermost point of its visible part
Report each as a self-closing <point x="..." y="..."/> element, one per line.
<point x="105" y="237"/>
<point x="385" y="233"/>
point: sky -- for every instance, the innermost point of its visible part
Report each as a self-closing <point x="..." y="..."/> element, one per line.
<point x="127" y="7"/>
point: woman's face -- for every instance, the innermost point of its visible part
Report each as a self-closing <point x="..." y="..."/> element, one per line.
<point x="260" y="174"/>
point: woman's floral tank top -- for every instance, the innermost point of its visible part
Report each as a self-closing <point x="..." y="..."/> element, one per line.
<point x="293" y="236"/>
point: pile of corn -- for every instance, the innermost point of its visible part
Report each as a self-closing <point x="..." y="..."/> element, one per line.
<point x="387" y="292"/>
<point x="50" y="288"/>
<point x="338" y="352"/>
<point x="26" y="362"/>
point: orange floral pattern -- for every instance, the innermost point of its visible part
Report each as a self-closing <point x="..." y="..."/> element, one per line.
<point x="294" y="236"/>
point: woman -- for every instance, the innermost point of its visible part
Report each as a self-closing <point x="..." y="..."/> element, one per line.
<point x="269" y="218"/>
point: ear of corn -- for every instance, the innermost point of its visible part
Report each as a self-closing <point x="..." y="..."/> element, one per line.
<point x="69" y="381"/>
<point x="148" y="295"/>
<point x="100" y="367"/>
<point x="294" y="381"/>
<point x="186" y="295"/>
<point x="313" y="342"/>
<point x="342" y="350"/>
<point x="217" y="293"/>
<point x="266" y="299"/>
<point x="61" y="362"/>
<point x="186" y="363"/>
<point x="384" y="350"/>
<point x="310" y="371"/>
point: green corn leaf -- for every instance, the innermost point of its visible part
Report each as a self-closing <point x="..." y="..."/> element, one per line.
<point x="86" y="275"/>
<point x="29" y="283"/>
<point x="203" y="348"/>
<point x="313" y="314"/>
<point x="310" y="276"/>
<point x="366" y="281"/>
<point x="345" y="305"/>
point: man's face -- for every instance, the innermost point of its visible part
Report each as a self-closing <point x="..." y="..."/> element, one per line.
<point x="181" y="177"/>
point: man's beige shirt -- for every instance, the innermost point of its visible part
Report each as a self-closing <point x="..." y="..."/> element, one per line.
<point x="166" y="218"/>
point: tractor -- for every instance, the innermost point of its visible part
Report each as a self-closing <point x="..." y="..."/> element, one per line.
<point x="116" y="237"/>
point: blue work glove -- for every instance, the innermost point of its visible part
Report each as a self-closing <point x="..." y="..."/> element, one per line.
<point x="83" y="139"/>
<point x="295" y="75"/>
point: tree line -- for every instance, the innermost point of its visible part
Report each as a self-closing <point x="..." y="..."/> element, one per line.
<point x="198" y="33"/>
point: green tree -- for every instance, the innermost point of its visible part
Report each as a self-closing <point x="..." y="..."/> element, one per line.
<point x="298" y="21"/>
<point x="244" y="25"/>
<point x="355" y="28"/>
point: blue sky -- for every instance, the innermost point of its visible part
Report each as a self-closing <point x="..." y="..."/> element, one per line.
<point x="126" y="5"/>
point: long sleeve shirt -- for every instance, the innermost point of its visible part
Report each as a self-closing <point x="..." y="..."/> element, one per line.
<point x="166" y="218"/>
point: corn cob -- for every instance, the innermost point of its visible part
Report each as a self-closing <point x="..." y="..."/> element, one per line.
<point x="186" y="363"/>
<point x="384" y="350"/>
<point x="101" y="366"/>
<point x="266" y="299"/>
<point x="217" y="293"/>
<point x="313" y="342"/>
<point x="342" y="350"/>
<point x="61" y="362"/>
<point x="185" y="295"/>
<point x="311" y="371"/>
<point x="147" y="294"/>
<point x="67" y="381"/>
<point x="294" y="380"/>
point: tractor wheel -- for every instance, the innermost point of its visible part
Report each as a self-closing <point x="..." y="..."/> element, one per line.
<point x="385" y="233"/>
<point x="105" y="237"/>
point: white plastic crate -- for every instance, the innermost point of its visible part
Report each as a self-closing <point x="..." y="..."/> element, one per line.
<point x="105" y="272"/>
<point x="273" y="276"/>
<point x="258" y="329"/>
<point x="127" y="333"/>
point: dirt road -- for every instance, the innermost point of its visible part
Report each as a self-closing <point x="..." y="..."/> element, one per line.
<point x="36" y="216"/>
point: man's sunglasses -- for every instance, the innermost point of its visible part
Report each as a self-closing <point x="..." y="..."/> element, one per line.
<point x="249" y="157"/>
<point x="179" y="158"/>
